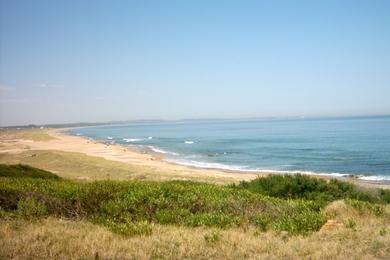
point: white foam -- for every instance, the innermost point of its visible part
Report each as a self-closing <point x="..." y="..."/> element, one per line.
<point x="374" y="178"/>
<point x="188" y="142"/>
<point x="207" y="165"/>
<point x="221" y="166"/>
<point x="335" y="174"/>
<point x="109" y="138"/>
<point x="158" y="150"/>
<point x="150" y="137"/>
<point x="130" y="140"/>
<point x="78" y="134"/>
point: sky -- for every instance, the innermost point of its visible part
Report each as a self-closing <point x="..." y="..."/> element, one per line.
<point x="95" y="61"/>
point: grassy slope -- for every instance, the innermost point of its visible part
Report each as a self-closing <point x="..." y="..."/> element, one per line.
<point x="168" y="214"/>
<point x="23" y="171"/>
<point x="81" y="166"/>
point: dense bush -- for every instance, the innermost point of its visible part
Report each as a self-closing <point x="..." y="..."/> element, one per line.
<point x="364" y="207"/>
<point x="31" y="208"/>
<point x="309" y="188"/>
<point x="300" y="222"/>
<point x="385" y="195"/>
<point x="133" y="207"/>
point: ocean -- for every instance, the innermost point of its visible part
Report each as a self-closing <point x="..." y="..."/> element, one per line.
<point x="332" y="146"/>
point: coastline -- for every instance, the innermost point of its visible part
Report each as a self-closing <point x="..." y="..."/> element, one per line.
<point x="129" y="155"/>
<point x="132" y="155"/>
<point x="158" y="154"/>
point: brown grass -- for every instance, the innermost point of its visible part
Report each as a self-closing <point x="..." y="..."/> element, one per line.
<point x="26" y="134"/>
<point x="56" y="239"/>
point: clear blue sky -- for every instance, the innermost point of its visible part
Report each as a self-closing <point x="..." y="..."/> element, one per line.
<point x="71" y="61"/>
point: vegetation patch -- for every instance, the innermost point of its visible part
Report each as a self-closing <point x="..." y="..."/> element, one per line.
<point x="301" y="222"/>
<point x="212" y="237"/>
<point x="309" y="188"/>
<point x="25" y="171"/>
<point x="133" y="207"/>
<point x="364" y="207"/>
<point x="31" y="208"/>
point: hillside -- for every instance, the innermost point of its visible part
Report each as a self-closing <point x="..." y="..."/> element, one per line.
<point x="265" y="217"/>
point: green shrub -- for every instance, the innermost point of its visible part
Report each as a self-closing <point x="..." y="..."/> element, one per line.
<point x="262" y="222"/>
<point x="23" y="171"/>
<point x="351" y="224"/>
<point x="212" y="237"/>
<point x="385" y="195"/>
<point x="304" y="222"/>
<point x="121" y="203"/>
<point x="176" y="216"/>
<point x="130" y="228"/>
<point x="309" y="188"/>
<point x="364" y="207"/>
<point x="2" y="213"/>
<point x="213" y="219"/>
<point x="30" y="208"/>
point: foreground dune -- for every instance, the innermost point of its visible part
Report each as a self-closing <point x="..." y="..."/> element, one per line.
<point x="58" y="239"/>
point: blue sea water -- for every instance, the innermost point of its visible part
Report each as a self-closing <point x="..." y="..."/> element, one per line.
<point x="339" y="146"/>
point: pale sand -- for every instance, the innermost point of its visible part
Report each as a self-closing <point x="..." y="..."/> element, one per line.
<point x="119" y="153"/>
<point x="130" y="155"/>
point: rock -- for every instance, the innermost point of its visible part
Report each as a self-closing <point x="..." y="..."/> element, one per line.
<point x="331" y="224"/>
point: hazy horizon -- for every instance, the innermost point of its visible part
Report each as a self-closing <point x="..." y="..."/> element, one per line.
<point x="265" y="118"/>
<point x="99" y="61"/>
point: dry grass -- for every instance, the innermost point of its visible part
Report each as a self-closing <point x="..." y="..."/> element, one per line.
<point x="26" y="134"/>
<point x="53" y="238"/>
<point x="84" y="167"/>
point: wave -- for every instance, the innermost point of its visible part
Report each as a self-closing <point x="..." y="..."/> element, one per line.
<point x="130" y="140"/>
<point x="159" y="150"/>
<point x="240" y="168"/>
<point x="207" y="165"/>
<point x="188" y="142"/>
<point x="374" y="178"/>
<point x="110" y="137"/>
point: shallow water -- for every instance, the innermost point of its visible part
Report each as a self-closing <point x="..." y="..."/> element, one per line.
<point x="357" y="146"/>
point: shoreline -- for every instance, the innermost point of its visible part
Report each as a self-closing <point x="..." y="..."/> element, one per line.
<point x="147" y="160"/>
<point x="258" y="173"/>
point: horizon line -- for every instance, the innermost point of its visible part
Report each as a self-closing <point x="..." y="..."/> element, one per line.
<point x="120" y="122"/>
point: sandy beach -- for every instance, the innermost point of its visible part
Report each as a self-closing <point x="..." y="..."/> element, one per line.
<point x="118" y="153"/>
<point x="130" y="155"/>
